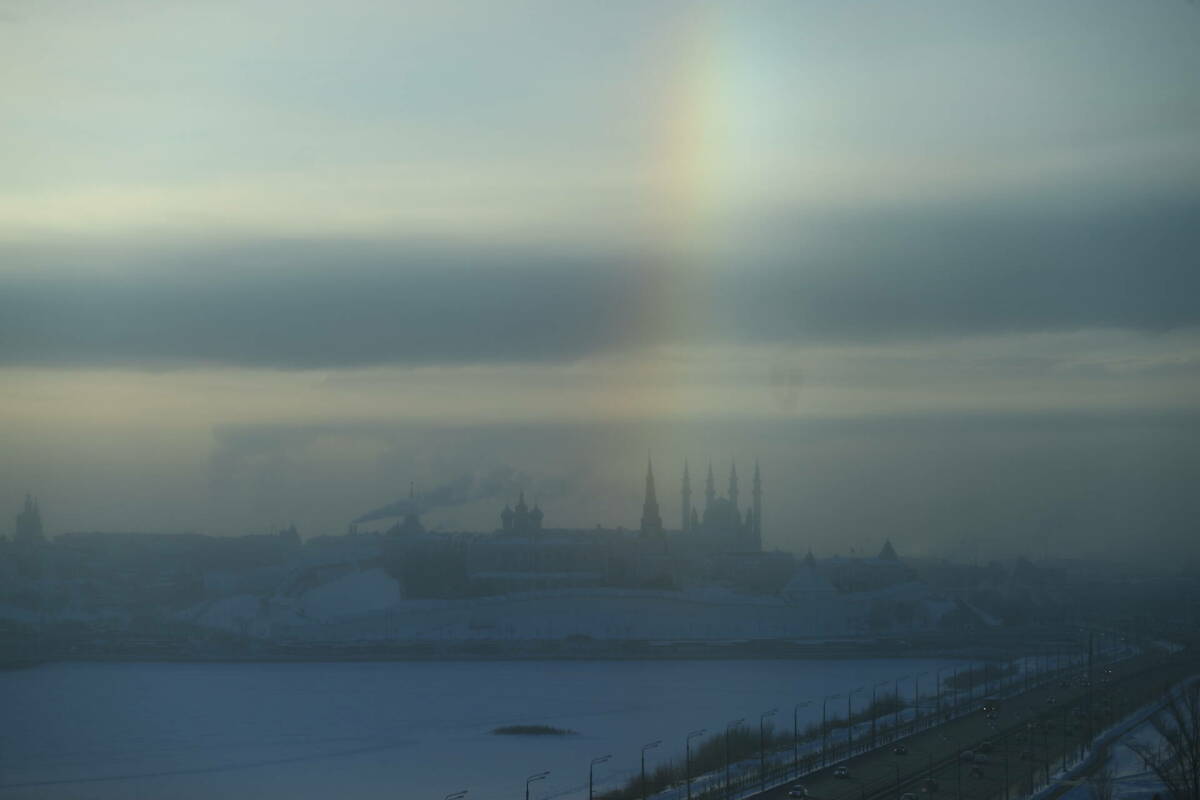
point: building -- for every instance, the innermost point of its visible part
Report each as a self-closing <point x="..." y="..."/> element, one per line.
<point x="29" y="524"/>
<point x="722" y="526"/>
<point x="522" y="520"/>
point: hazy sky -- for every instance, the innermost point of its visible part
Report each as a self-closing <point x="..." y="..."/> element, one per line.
<point x="933" y="263"/>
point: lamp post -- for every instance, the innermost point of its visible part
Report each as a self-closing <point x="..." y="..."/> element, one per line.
<point x="917" y="700"/>
<point x="1064" y="738"/>
<point x="850" y="721"/>
<point x="958" y="774"/>
<point x="1007" y="748"/>
<point x="646" y="747"/>
<point x="939" y="692"/>
<point x="541" y="776"/>
<point x="796" y="735"/>
<point x="762" y="748"/>
<point x="728" y="727"/>
<point x="824" y="726"/>
<point x="954" y="697"/>
<point x="896" y="700"/>
<point x="688" y="748"/>
<point x="875" y="710"/>
<point x="592" y="766"/>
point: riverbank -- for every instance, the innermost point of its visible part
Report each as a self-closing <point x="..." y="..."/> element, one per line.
<point x="988" y="646"/>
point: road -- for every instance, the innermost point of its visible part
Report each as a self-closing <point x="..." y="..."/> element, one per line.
<point x="1028" y="739"/>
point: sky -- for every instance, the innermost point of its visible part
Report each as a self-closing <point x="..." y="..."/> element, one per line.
<point x="932" y="264"/>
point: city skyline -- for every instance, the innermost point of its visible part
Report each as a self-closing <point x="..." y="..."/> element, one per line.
<point x="932" y="263"/>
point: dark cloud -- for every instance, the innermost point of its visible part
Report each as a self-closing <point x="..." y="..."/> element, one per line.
<point x="1123" y="262"/>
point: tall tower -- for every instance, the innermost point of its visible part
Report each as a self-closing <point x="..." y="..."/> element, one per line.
<point x="757" y="493"/>
<point x="710" y="489"/>
<point x="651" y="521"/>
<point x="686" y="513"/>
<point x="733" y="487"/>
<point x="29" y="524"/>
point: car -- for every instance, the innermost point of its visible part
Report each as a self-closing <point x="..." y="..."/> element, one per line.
<point x="1051" y="700"/>
<point x="900" y="750"/>
<point x="841" y="771"/>
<point x="798" y="790"/>
<point x="967" y="755"/>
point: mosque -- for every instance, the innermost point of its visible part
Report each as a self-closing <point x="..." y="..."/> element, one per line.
<point x="29" y="524"/>
<point x="722" y="526"/>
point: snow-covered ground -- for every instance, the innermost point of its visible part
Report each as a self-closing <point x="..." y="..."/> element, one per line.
<point x="380" y="730"/>
<point x="1131" y="778"/>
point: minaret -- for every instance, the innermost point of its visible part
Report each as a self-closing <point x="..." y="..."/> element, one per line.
<point x="757" y="493"/>
<point x="733" y="487"/>
<point x="651" y="521"/>
<point x="686" y="513"/>
<point x="29" y="524"/>
<point x="710" y="490"/>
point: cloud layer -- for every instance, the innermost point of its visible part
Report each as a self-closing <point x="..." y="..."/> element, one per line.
<point x="863" y="276"/>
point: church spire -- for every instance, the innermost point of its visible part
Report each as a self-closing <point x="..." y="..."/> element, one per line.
<point x="685" y="513"/>
<point x="651" y="521"/>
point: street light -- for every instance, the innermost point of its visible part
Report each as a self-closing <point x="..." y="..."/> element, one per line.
<point x="646" y="747"/>
<point x="850" y="721"/>
<point x="762" y="748"/>
<point x="939" y="692"/>
<point x="592" y="766"/>
<point x="917" y="699"/>
<point x="796" y="735"/>
<point x="824" y="727"/>
<point x="691" y="736"/>
<point x="728" y="727"/>
<point x="541" y="776"/>
<point x="875" y="710"/>
<point x="896" y="713"/>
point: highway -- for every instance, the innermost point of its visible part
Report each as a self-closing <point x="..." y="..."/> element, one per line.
<point x="1028" y="738"/>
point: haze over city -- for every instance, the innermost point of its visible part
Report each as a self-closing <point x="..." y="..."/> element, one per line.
<point x="720" y="400"/>
<point x="931" y="264"/>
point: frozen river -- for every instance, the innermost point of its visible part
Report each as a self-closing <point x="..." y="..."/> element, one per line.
<point x="381" y="730"/>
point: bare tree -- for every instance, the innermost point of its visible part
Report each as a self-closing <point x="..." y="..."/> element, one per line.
<point x="1103" y="784"/>
<point x="1175" y="758"/>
